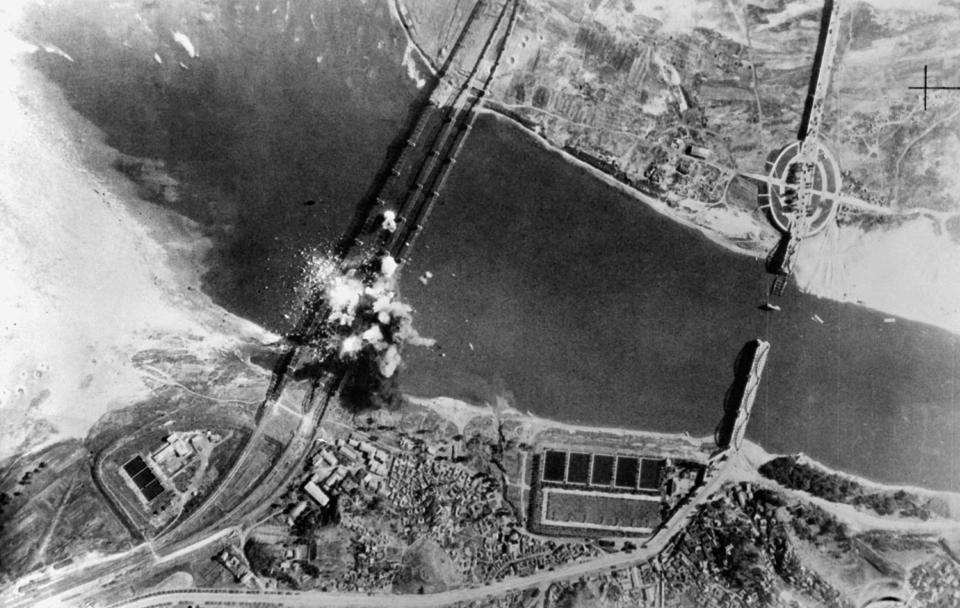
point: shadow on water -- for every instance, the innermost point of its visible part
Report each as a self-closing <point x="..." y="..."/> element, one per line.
<point x="733" y="398"/>
<point x="549" y="286"/>
<point x="825" y="16"/>
<point x="277" y="108"/>
<point x="588" y="306"/>
<point x="406" y="134"/>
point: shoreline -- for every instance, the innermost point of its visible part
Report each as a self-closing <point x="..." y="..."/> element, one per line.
<point x="395" y="13"/>
<point x="461" y="412"/>
<point x="651" y="202"/>
<point x="865" y="255"/>
<point x="868" y="483"/>
<point x="128" y="282"/>
<point x="809" y="282"/>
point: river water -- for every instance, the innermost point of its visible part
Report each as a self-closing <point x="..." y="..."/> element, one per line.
<point x="588" y="306"/>
<point x="549" y="286"/>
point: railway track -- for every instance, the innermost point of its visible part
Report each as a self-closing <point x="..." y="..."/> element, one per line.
<point x="448" y="141"/>
<point x="389" y="179"/>
<point x="784" y="256"/>
<point x="445" y="142"/>
<point x="456" y="102"/>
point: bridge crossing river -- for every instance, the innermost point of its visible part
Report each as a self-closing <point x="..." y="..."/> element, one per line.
<point x="415" y="178"/>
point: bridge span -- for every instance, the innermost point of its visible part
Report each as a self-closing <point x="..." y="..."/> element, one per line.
<point x="412" y="181"/>
<point x="803" y="169"/>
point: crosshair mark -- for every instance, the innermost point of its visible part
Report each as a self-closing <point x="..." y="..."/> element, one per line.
<point x="926" y="87"/>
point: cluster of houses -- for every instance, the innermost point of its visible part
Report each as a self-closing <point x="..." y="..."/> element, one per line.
<point x="695" y="559"/>
<point x="432" y="493"/>
<point x="524" y="555"/>
<point x="716" y="543"/>
<point x="936" y="583"/>
<point x="345" y="465"/>
<point x="425" y="490"/>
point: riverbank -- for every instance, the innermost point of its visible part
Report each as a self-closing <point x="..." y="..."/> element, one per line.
<point x="396" y="13"/>
<point x="910" y="270"/>
<point x="717" y="232"/>
<point x="714" y="233"/>
<point x="894" y="270"/>
<point x="753" y="455"/>
<point x="462" y="413"/>
<point x="920" y="291"/>
<point x="92" y="276"/>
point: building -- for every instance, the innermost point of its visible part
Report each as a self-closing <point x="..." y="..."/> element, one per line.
<point x="316" y="493"/>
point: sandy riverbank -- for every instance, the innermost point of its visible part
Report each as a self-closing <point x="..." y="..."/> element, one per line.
<point x="461" y="413"/>
<point x="910" y="270"/>
<point x="717" y="236"/>
<point x="951" y="498"/>
<point x="723" y="224"/>
<point x="753" y="455"/>
<point x="89" y="274"/>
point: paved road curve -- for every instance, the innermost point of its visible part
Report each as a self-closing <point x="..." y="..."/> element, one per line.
<point x="308" y="599"/>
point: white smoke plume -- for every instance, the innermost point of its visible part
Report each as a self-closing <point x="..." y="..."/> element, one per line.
<point x="389" y="221"/>
<point x="365" y="316"/>
<point x="388" y="266"/>
<point x="350" y="346"/>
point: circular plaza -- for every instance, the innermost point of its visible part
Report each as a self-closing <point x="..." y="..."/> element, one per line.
<point x="781" y="193"/>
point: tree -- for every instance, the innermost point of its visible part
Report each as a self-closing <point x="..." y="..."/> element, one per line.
<point x="260" y="556"/>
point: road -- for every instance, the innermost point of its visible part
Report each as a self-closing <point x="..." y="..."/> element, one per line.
<point x="459" y="113"/>
<point x="810" y="129"/>
<point x="439" y="149"/>
<point x="41" y="549"/>
<point x="783" y="258"/>
<point x="189" y="535"/>
<point x="63" y="592"/>
<point x="200" y="544"/>
<point x="592" y="566"/>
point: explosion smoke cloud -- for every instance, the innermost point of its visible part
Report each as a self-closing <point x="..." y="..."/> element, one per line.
<point x="366" y="316"/>
<point x="389" y="221"/>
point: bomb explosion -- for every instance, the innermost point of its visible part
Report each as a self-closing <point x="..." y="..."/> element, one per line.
<point x="367" y="324"/>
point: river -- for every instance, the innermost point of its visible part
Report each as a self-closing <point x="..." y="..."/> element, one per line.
<point x="586" y="305"/>
<point x="550" y="287"/>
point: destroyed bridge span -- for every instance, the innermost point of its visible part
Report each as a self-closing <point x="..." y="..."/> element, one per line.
<point x="414" y="179"/>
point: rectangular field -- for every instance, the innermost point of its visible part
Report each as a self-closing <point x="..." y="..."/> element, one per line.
<point x="578" y="509"/>
<point x="578" y="468"/>
<point x="555" y="466"/>
<point x="627" y="472"/>
<point x="589" y="469"/>
<point x="146" y="481"/>
<point x="602" y="470"/>
<point x="650" y="470"/>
